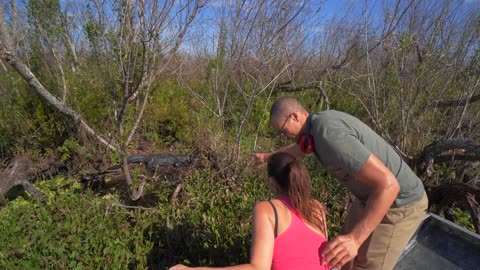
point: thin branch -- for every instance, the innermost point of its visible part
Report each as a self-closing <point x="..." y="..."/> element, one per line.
<point x="57" y="60"/>
<point x="426" y="159"/>
<point x="456" y="102"/>
<point x="139" y="116"/>
<point x="458" y="157"/>
<point x="139" y="192"/>
<point x="35" y="193"/>
<point x="3" y="66"/>
<point x="134" y="207"/>
<point x="176" y="192"/>
<point x="474" y="211"/>
<point x="6" y="38"/>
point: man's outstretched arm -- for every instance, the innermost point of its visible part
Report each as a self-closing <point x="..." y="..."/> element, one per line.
<point x="292" y="149"/>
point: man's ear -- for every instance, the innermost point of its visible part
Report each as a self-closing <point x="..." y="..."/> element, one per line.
<point x="294" y="115"/>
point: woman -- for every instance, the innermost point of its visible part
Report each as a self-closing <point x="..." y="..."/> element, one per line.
<point x="288" y="231"/>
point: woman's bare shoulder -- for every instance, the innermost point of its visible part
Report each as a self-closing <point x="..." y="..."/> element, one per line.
<point x="262" y="207"/>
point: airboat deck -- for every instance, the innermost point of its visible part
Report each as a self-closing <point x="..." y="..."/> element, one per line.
<point x="441" y="244"/>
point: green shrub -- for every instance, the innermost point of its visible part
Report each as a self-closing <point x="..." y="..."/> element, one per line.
<point x="26" y="122"/>
<point x="210" y="222"/>
<point x="169" y="115"/>
<point x="463" y="218"/>
<point x="72" y="230"/>
<point x="69" y="148"/>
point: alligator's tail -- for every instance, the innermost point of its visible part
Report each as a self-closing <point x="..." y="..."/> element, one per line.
<point x="136" y="159"/>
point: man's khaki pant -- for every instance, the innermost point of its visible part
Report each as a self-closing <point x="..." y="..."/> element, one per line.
<point x="386" y="243"/>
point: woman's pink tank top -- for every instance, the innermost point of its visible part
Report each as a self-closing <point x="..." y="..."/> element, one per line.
<point x="298" y="247"/>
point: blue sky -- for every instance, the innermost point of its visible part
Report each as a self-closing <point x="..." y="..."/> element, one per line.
<point x="371" y="10"/>
<point x="207" y="23"/>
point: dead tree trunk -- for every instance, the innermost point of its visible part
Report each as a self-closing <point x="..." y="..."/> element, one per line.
<point x="462" y="150"/>
<point x="7" y="53"/>
<point x="18" y="173"/>
<point x="462" y="195"/>
<point x="474" y="211"/>
<point x="464" y="155"/>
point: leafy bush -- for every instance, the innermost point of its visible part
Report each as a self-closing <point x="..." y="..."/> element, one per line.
<point x="169" y="115"/>
<point x="26" y="122"/>
<point x="209" y="222"/>
<point x="71" y="230"/>
<point x="208" y="225"/>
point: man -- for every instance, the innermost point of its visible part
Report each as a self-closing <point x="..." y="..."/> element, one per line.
<point x="391" y="200"/>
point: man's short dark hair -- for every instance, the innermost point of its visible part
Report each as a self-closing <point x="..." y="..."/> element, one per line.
<point x="284" y="106"/>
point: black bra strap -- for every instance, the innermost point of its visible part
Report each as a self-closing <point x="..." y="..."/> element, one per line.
<point x="276" y="219"/>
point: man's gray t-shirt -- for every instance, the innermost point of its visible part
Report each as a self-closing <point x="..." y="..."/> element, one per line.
<point x="343" y="144"/>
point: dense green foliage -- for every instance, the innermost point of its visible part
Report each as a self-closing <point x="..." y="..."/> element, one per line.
<point x="72" y="230"/>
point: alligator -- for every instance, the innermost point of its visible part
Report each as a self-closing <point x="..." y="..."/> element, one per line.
<point x="153" y="161"/>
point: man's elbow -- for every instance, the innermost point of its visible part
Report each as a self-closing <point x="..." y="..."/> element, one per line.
<point x="392" y="185"/>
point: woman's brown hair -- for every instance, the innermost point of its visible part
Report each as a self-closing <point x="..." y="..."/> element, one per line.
<point x="293" y="179"/>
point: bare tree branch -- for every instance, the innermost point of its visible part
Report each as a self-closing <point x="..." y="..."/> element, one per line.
<point x="426" y="159"/>
<point x="7" y="53"/>
<point x="456" y="102"/>
<point x="57" y="60"/>
<point x="474" y="211"/>
<point x="17" y="173"/>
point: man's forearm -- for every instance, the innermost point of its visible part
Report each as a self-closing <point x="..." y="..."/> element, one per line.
<point x="376" y="208"/>
<point x="292" y="149"/>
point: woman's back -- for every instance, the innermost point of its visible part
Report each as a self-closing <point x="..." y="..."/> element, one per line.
<point x="297" y="244"/>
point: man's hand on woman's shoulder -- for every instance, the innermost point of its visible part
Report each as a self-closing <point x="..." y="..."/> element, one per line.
<point x="179" y="267"/>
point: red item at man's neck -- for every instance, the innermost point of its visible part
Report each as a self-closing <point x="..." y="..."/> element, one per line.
<point x="306" y="146"/>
